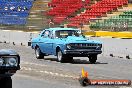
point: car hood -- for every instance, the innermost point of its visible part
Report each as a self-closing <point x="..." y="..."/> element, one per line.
<point x="72" y="39"/>
<point x="8" y="52"/>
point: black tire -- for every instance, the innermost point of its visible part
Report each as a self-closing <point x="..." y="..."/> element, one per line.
<point x="38" y="53"/>
<point x="60" y="56"/>
<point x="6" y="82"/>
<point x="92" y="59"/>
<point x="84" y="81"/>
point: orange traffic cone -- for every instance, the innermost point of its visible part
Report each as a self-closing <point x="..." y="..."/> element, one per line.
<point x="84" y="81"/>
<point x="84" y="74"/>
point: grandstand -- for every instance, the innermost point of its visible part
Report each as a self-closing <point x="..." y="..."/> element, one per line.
<point x="121" y="22"/>
<point x="14" y="12"/>
<point x="106" y="15"/>
<point x="85" y="13"/>
<point x="37" y="20"/>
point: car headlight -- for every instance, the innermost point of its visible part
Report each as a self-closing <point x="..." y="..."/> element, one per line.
<point x="12" y="61"/>
<point x="99" y="46"/>
<point x="68" y="46"/>
<point x="1" y="61"/>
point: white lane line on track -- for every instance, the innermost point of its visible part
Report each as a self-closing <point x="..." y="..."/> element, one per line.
<point x="55" y="74"/>
<point x="50" y="73"/>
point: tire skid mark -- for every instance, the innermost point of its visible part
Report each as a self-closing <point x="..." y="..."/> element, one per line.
<point x="49" y="73"/>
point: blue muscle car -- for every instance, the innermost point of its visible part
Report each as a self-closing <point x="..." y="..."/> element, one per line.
<point x="65" y="43"/>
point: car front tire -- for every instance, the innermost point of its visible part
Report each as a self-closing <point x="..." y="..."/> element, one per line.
<point x="92" y="59"/>
<point x="38" y="53"/>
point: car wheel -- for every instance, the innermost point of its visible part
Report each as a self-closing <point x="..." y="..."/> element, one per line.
<point x="92" y="58"/>
<point x="6" y="82"/>
<point x="38" y="53"/>
<point x="60" y="56"/>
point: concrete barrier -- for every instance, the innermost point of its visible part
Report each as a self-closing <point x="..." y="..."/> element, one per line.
<point x="116" y="44"/>
<point x="118" y="47"/>
<point x="16" y="37"/>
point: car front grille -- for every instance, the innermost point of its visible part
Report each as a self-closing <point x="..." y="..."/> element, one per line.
<point x="83" y="45"/>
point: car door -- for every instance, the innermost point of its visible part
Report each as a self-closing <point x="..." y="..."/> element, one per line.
<point x="50" y="42"/>
<point x="42" y="40"/>
<point x="45" y="42"/>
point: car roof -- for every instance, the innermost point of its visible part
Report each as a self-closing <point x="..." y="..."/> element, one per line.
<point x="57" y="28"/>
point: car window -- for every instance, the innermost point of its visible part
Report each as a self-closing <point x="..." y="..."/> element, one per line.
<point x="51" y="34"/>
<point x="46" y="34"/>
<point x="66" y="33"/>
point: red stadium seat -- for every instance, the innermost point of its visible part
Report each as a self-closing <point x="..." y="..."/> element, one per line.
<point x="67" y="7"/>
<point x="63" y="9"/>
<point x="98" y="9"/>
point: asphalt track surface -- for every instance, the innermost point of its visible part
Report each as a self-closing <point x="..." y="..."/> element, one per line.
<point x="48" y="73"/>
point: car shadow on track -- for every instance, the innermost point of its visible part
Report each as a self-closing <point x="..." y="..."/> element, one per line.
<point x="76" y="61"/>
<point x="79" y="61"/>
<point x="51" y="59"/>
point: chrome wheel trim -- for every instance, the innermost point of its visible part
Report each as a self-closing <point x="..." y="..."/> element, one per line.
<point x="59" y="55"/>
<point x="37" y="53"/>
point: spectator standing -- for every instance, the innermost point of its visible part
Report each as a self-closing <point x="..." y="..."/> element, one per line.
<point x="125" y="26"/>
<point x="51" y="23"/>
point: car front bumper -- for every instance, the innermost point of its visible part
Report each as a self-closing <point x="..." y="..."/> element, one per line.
<point x="81" y="52"/>
<point x="8" y="71"/>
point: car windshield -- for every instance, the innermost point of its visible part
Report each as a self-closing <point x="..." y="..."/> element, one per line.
<point x="66" y="33"/>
